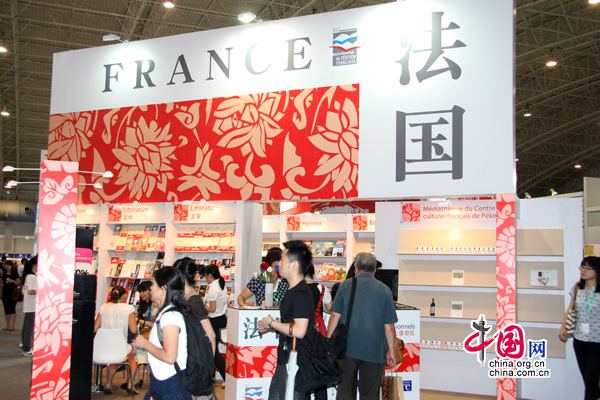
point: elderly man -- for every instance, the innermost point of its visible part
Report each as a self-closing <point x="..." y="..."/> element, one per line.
<point x="371" y="333"/>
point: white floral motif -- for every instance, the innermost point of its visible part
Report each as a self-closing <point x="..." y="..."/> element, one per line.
<point x="54" y="192"/>
<point x="506" y="246"/>
<point x="63" y="229"/>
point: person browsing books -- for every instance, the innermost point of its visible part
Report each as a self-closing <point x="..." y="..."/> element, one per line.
<point x="256" y="286"/>
<point x="216" y="299"/>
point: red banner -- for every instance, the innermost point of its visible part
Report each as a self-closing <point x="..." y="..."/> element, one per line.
<point x="251" y="361"/>
<point x="267" y="146"/>
<point x="51" y="370"/>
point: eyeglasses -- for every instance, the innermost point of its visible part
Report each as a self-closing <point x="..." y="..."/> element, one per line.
<point x="585" y="268"/>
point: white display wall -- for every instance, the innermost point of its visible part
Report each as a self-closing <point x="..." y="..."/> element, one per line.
<point x="446" y="369"/>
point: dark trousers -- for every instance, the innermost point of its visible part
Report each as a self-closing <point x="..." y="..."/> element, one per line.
<point x="278" y="382"/>
<point x="588" y="359"/>
<point x="219" y="323"/>
<point x="370" y="379"/>
<point x="27" y="332"/>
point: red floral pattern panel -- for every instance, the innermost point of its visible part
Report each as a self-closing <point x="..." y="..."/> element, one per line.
<point x="506" y="291"/>
<point x="412" y="359"/>
<point x="297" y="144"/>
<point x="51" y="370"/>
<point x="251" y="361"/>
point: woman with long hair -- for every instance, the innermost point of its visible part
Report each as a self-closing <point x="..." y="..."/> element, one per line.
<point x="117" y="314"/>
<point x="586" y="336"/>
<point x="195" y="305"/>
<point x="168" y="293"/>
<point x="10" y="279"/>
<point x="29" y="290"/>
<point x="216" y="298"/>
<point x="146" y="311"/>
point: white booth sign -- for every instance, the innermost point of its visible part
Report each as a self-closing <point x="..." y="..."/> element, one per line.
<point x="314" y="223"/>
<point x="136" y="214"/>
<point x="88" y="214"/>
<point x="434" y="81"/>
<point x="205" y="213"/>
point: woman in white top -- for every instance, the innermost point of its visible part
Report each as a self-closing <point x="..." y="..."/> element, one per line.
<point x="117" y="314"/>
<point x="216" y="300"/>
<point x="29" y="290"/>
<point x="168" y="292"/>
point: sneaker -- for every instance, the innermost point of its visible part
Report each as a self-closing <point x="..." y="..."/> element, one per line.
<point x="21" y="346"/>
<point x="28" y="353"/>
<point x="223" y="386"/>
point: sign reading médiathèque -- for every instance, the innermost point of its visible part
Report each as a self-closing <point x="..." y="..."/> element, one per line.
<point x="435" y="105"/>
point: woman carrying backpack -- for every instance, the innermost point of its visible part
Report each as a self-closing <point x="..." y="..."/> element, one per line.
<point x="168" y="292"/>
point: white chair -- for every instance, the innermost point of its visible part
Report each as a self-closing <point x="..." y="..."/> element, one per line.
<point x="111" y="348"/>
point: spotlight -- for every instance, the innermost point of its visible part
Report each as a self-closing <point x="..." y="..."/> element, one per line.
<point x="552" y="192"/>
<point x="247" y="17"/>
<point x="551" y="63"/>
<point x="579" y="165"/>
<point x="527" y="195"/>
<point x="527" y="112"/>
<point x="4" y="112"/>
<point x="3" y="48"/>
<point x="168" y="4"/>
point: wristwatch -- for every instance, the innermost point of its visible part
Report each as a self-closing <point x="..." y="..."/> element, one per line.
<point x="270" y="325"/>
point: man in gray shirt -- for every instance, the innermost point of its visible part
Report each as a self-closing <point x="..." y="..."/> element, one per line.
<point x="371" y="333"/>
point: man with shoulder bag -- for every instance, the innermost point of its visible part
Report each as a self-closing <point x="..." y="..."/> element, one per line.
<point x="371" y="334"/>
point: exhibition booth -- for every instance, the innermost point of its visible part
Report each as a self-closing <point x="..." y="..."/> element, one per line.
<point x="203" y="131"/>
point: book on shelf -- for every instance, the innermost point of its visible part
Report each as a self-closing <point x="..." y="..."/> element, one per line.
<point x="112" y="243"/>
<point x="95" y="243"/>
<point x="134" y="293"/>
<point x="309" y="244"/>
<point x="180" y="241"/>
<point x="145" y="238"/>
<point x="122" y="240"/>
<point x="340" y="272"/>
<point x="197" y="237"/>
<point x="152" y="238"/>
<point x="318" y="272"/>
<point x="132" y="235"/>
<point x="135" y="244"/>
<point x="328" y="273"/>
<point x="317" y="249"/>
<point x="226" y="235"/>
<point x="118" y="270"/>
<point x="205" y="240"/>
<point x="328" y="249"/>
<point x="148" y="265"/>
<point x="339" y="250"/>
<point x="232" y="244"/>
<point x="114" y="261"/>
<point x="160" y="241"/>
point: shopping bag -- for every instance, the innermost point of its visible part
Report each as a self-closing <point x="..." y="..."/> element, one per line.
<point x="392" y="387"/>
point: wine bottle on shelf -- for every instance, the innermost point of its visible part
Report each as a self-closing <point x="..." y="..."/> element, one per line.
<point x="432" y="308"/>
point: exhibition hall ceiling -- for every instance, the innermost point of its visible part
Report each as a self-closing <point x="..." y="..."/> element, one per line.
<point x="564" y="100"/>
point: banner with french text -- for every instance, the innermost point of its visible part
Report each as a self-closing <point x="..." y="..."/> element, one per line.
<point x="271" y="111"/>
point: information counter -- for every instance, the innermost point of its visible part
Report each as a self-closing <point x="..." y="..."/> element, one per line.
<point x="252" y="357"/>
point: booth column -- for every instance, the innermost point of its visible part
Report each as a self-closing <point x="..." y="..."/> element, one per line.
<point x="248" y="242"/>
<point x="51" y="370"/>
<point x="506" y="285"/>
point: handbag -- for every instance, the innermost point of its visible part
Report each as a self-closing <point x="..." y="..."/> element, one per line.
<point x="16" y="294"/>
<point x="339" y="337"/>
<point x="319" y="321"/>
<point x="572" y="316"/>
<point x="392" y="387"/>
<point x="317" y="366"/>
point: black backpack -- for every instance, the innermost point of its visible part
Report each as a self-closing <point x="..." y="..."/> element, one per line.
<point x="200" y="367"/>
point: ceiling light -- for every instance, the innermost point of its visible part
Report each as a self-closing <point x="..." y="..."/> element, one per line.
<point x="594" y="1"/>
<point x="8" y="168"/>
<point x="111" y="37"/>
<point x="247" y="17"/>
<point x="579" y="165"/>
<point x="527" y="195"/>
<point x="3" y="48"/>
<point x="168" y="4"/>
<point x="516" y="159"/>
<point x="551" y="63"/>
<point x="11" y="183"/>
<point x="527" y="113"/>
<point x="4" y="112"/>
<point x="98" y="185"/>
<point x="552" y="192"/>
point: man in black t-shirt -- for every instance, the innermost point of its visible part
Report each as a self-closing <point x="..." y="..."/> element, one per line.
<point x="298" y="305"/>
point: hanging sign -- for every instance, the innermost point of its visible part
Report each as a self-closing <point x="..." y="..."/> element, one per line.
<point x="207" y="213"/>
<point x="314" y="223"/>
<point x="448" y="211"/>
<point x="135" y="214"/>
<point x="279" y="104"/>
<point x="363" y="223"/>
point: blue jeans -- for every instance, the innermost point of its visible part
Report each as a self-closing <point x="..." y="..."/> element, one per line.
<point x="169" y="389"/>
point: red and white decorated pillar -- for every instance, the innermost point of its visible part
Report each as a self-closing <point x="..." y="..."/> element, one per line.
<point x="506" y="287"/>
<point x="51" y="370"/>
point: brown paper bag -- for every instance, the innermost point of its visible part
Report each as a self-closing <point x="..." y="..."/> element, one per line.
<point x="392" y="388"/>
<point x="398" y="347"/>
